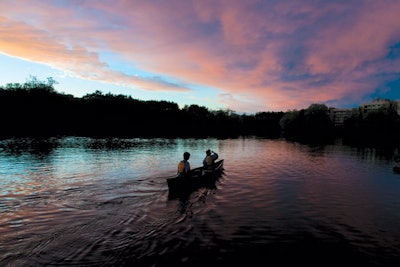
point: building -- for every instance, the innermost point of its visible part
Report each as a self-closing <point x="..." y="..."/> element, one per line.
<point x="379" y="104"/>
<point x="339" y="115"/>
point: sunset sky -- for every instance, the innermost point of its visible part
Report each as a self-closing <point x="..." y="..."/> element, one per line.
<point x="246" y="56"/>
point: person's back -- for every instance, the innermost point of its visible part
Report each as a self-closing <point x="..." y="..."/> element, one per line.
<point x="209" y="160"/>
<point x="184" y="165"/>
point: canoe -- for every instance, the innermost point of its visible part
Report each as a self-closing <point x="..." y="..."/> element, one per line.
<point x="197" y="177"/>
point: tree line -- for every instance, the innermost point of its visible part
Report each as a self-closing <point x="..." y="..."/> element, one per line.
<point x="314" y="124"/>
<point x="35" y="109"/>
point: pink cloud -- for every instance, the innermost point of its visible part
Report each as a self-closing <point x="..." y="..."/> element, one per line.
<point x="364" y="35"/>
<point x="259" y="54"/>
<point x="27" y="42"/>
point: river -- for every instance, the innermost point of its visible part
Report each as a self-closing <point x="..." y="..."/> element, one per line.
<point x="105" y="202"/>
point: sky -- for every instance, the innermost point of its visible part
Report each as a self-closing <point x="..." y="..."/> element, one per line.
<point x="243" y="55"/>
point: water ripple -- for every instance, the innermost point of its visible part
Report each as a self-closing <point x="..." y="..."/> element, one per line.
<point x="84" y="202"/>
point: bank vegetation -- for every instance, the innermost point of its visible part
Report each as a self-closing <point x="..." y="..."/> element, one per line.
<point x="35" y="109"/>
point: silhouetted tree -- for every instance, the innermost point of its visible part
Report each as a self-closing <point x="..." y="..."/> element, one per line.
<point x="311" y="124"/>
<point x="292" y="122"/>
<point x="34" y="108"/>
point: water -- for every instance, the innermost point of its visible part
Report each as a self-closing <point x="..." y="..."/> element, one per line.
<point x="105" y="202"/>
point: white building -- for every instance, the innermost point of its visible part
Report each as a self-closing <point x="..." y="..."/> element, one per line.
<point x="339" y="115"/>
<point x="378" y="104"/>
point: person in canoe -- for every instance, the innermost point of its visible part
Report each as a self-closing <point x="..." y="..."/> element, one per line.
<point x="184" y="165"/>
<point x="208" y="162"/>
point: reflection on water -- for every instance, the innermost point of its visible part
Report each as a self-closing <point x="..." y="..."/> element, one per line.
<point x="105" y="202"/>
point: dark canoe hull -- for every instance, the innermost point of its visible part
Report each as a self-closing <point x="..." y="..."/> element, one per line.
<point x="197" y="178"/>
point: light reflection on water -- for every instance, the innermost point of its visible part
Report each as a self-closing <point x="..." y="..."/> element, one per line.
<point x="102" y="202"/>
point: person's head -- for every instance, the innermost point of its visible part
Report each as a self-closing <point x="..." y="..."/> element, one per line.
<point x="208" y="152"/>
<point x="186" y="155"/>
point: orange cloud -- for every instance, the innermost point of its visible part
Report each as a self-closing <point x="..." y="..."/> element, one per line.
<point x="258" y="54"/>
<point x="24" y="41"/>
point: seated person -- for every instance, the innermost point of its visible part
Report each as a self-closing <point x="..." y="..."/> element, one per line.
<point x="184" y="165"/>
<point x="209" y="160"/>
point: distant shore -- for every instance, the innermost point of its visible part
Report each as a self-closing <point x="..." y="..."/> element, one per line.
<point x="35" y="109"/>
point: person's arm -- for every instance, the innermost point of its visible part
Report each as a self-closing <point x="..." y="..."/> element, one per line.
<point x="215" y="155"/>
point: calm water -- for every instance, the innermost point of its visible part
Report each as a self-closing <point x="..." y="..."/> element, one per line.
<point x="105" y="202"/>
